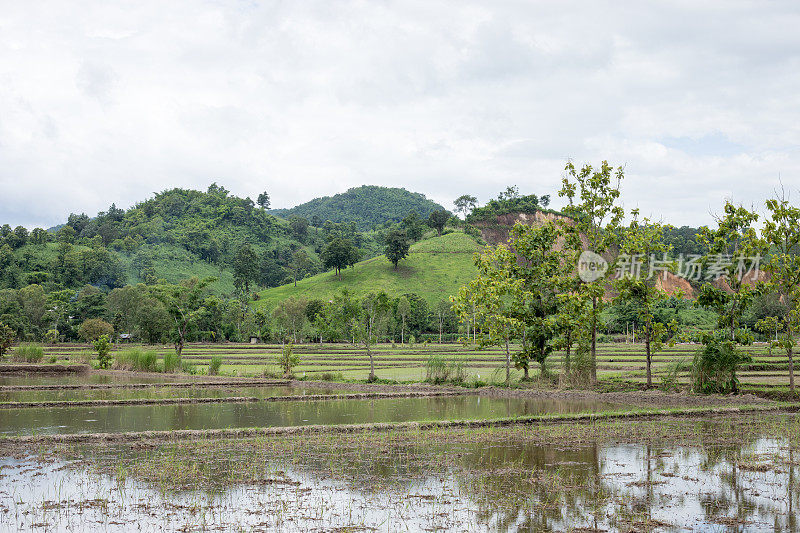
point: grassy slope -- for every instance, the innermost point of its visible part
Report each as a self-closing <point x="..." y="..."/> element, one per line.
<point x="434" y="269"/>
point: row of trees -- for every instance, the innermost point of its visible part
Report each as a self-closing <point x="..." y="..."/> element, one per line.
<point x="531" y="290"/>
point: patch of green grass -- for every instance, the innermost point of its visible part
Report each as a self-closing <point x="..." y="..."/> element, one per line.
<point x="434" y="270"/>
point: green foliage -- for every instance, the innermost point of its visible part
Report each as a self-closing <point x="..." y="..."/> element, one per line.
<point x="93" y="328"/>
<point x="339" y="254"/>
<point x="434" y="269"/>
<point x="714" y="367"/>
<point x="7" y="337"/>
<point x="506" y="202"/>
<point x="28" y="353"/>
<point x="397" y="246"/>
<point x="287" y="359"/>
<point x="439" y="370"/>
<point x="465" y="204"/>
<point x="368" y="206"/>
<point x="438" y="219"/>
<point x="138" y="360"/>
<point x="245" y="268"/>
<point x="172" y="362"/>
<point x="103" y="348"/>
<point x="214" y="365"/>
<point x="184" y="304"/>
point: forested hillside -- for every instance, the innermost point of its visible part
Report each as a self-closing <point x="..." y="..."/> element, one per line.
<point x="368" y="206"/>
<point x="174" y="235"/>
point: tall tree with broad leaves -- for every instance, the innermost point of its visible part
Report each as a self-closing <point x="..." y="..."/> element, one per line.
<point x="644" y="251"/>
<point x="246" y="268"/>
<point x="184" y="303"/>
<point x="397" y="246"/>
<point x="592" y="195"/>
<point x="263" y="200"/>
<point x="465" y="203"/>
<point x="782" y="233"/>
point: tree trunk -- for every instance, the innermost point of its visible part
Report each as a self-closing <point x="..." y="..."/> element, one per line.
<point x="403" y="332"/>
<point x="508" y="364"/>
<point x="371" y="362"/>
<point x="593" y="362"/>
<point x="791" y="364"/>
<point x="440" y="330"/>
<point x="647" y="356"/>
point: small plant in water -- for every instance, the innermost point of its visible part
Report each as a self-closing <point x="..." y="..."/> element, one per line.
<point x="214" y="365"/>
<point x="103" y="348"/>
<point x="287" y="360"/>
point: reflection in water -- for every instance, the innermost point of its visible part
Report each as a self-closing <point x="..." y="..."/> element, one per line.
<point x="504" y="486"/>
<point x="259" y="414"/>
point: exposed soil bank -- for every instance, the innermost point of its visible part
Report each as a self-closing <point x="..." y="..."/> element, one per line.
<point x="231" y="399"/>
<point x="32" y="368"/>
<point x="186" y="434"/>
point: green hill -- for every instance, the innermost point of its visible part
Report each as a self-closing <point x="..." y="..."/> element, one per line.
<point x="434" y="269"/>
<point x="368" y="206"/>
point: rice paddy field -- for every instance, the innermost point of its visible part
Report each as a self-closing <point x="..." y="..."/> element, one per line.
<point x="406" y="363"/>
<point x="247" y="450"/>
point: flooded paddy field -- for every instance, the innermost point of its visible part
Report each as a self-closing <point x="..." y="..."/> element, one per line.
<point x="734" y="473"/>
<point x="133" y="418"/>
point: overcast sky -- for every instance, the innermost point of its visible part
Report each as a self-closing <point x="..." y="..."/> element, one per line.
<point x="106" y="101"/>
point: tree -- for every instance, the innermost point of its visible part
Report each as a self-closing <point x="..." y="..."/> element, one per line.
<point x="403" y="311"/>
<point x="545" y="273"/>
<point x="7" y="337"/>
<point x="643" y="246"/>
<point x="494" y="295"/>
<point x="592" y="195"/>
<point x="102" y="345"/>
<point x="465" y="203"/>
<point x="245" y="268"/>
<point x="338" y="254"/>
<point x="184" y="303"/>
<point x="263" y="200"/>
<point x="397" y="246"/>
<point x="438" y="219"/>
<point x="734" y="250"/>
<point x="374" y="307"/>
<point x="299" y="226"/>
<point x="782" y="232"/>
<point x="94" y="328"/>
<point x="299" y="265"/>
<point x="290" y="316"/>
<point x="414" y="226"/>
<point x="443" y="310"/>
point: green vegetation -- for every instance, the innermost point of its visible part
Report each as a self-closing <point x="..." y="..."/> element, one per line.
<point x="214" y="365"/>
<point x="103" y="348"/>
<point x="508" y="201"/>
<point x="367" y="206"/>
<point x="434" y="269"/>
<point x="28" y="353"/>
<point x="136" y="359"/>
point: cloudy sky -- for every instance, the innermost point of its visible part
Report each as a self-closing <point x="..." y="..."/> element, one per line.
<point x="106" y="101"/>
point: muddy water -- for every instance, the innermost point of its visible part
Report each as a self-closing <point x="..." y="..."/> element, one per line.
<point x="161" y="392"/>
<point x="628" y="487"/>
<point x="264" y="414"/>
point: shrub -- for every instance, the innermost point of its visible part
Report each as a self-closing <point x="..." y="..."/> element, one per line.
<point x="137" y="360"/>
<point x="51" y="337"/>
<point x="714" y="367"/>
<point x="6" y="338"/>
<point x="188" y="367"/>
<point x="287" y="360"/>
<point x="214" y="365"/>
<point x="94" y="328"/>
<point x="331" y="376"/>
<point x="439" y="370"/>
<point x="172" y="362"/>
<point x="28" y="353"/>
<point x="669" y="381"/>
<point x="103" y="348"/>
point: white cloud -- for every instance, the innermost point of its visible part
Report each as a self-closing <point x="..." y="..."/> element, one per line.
<point x="108" y="102"/>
